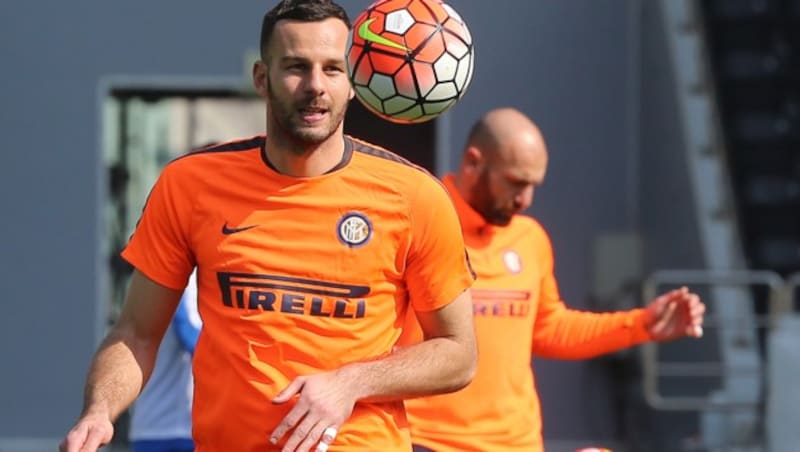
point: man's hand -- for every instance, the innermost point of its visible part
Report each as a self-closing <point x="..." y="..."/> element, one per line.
<point x="676" y="314"/>
<point x="90" y="433"/>
<point x="324" y="404"/>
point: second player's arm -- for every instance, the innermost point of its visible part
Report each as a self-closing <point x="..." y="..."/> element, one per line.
<point x="564" y="333"/>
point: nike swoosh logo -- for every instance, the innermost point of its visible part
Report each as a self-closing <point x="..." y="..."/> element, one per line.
<point x="367" y="35"/>
<point x="228" y="231"/>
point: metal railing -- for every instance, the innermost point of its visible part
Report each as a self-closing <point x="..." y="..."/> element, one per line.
<point x="779" y="297"/>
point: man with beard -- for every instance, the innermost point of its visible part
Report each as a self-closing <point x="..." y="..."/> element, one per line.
<point x="310" y="247"/>
<point x="517" y="308"/>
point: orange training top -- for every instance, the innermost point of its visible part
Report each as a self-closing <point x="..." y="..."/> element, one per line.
<point x="516" y="302"/>
<point x="297" y="276"/>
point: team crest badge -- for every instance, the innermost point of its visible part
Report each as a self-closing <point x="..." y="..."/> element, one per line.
<point x="354" y="229"/>
<point x="512" y="261"/>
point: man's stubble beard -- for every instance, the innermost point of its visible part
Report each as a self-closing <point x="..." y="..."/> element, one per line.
<point x="484" y="203"/>
<point x="284" y="119"/>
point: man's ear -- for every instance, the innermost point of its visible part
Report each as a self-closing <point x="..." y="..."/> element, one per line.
<point x="260" y="79"/>
<point x="473" y="160"/>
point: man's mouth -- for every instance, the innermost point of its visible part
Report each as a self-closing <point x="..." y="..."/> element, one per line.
<point x="313" y="114"/>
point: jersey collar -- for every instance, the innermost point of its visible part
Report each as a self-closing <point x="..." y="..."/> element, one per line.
<point x="471" y="221"/>
<point x="347" y="155"/>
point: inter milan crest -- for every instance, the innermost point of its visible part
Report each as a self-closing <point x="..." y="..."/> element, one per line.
<point x="512" y="261"/>
<point x="354" y="229"/>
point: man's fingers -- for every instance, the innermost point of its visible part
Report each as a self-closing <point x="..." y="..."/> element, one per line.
<point x="694" y="316"/>
<point x="698" y="308"/>
<point x="680" y="292"/>
<point x="319" y="435"/>
<point x="666" y="315"/>
<point x="697" y="320"/>
<point x="289" y="421"/>
<point x="694" y="330"/>
<point x="74" y="439"/>
<point x="691" y="314"/>
<point x="295" y="415"/>
<point x="94" y="440"/>
<point x="328" y="436"/>
<point x="661" y="302"/>
<point x="85" y="438"/>
<point x="305" y="435"/>
<point x="676" y="313"/>
<point x="288" y="392"/>
<point x="309" y="431"/>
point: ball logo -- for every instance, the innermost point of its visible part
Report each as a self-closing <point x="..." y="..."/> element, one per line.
<point x="354" y="229"/>
<point x="512" y="261"/>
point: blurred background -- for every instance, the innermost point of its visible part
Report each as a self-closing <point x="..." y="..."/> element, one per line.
<point x="674" y="136"/>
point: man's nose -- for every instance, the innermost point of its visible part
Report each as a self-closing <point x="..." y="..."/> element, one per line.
<point x="315" y="81"/>
<point x="524" y="198"/>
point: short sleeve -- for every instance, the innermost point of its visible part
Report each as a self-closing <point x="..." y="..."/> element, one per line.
<point x="159" y="246"/>
<point x="437" y="267"/>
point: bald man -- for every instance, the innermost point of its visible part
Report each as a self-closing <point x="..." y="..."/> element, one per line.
<point x="517" y="308"/>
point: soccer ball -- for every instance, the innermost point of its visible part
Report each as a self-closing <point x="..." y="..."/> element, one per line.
<point x="409" y="60"/>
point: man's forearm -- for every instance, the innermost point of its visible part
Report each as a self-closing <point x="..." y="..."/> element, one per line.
<point x="434" y="366"/>
<point x="117" y="374"/>
<point x="575" y="334"/>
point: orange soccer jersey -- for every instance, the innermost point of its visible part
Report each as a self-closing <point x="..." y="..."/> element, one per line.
<point x="518" y="312"/>
<point x="297" y="276"/>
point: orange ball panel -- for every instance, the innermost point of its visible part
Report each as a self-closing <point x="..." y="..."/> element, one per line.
<point x="456" y="28"/>
<point x="363" y="72"/>
<point x="421" y="11"/>
<point x="426" y="77"/>
<point x="404" y="79"/>
<point x="432" y="49"/>
<point x="439" y="12"/>
<point x="385" y="64"/>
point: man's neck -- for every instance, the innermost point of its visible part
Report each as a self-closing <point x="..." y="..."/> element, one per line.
<point x="308" y="162"/>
